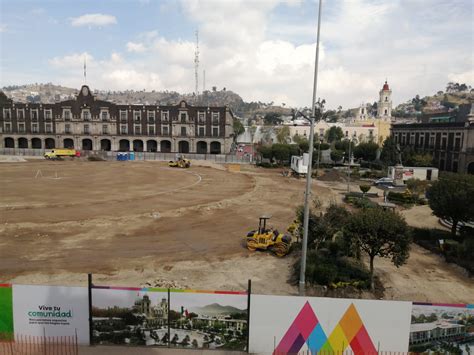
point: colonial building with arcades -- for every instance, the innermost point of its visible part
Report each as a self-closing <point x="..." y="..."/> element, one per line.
<point x="87" y="123"/>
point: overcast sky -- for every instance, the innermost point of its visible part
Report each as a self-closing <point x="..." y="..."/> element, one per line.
<point x="262" y="49"/>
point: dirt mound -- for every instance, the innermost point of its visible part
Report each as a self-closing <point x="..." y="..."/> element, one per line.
<point x="332" y="175"/>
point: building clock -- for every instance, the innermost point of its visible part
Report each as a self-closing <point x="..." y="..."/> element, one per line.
<point x="85" y="91"/>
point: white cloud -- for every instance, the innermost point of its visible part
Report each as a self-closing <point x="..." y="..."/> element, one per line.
<point x="75" y="60"/>
<point x="91" y="20"/>
<point x="136" y="47"/>
<point x="3" y="28"/>
<point x="466" y="77"/>
<point x="245" y="49"/>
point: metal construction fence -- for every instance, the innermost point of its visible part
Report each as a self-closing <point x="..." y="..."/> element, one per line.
<point x="40" y="345"/>
<point x="158" y="156"/>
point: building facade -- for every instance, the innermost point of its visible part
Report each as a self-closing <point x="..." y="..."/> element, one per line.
<point x="87" y="123"/>
<point x="450" y="141"/>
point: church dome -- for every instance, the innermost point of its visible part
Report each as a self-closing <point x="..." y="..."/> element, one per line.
<point x="385" y="86"/>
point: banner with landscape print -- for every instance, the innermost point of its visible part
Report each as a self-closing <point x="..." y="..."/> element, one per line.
<point x="130" y="316"/>
<point x="289" y="325"/>
<point x="187" y="319"/>
<point x="442" y="328"/>
<point x="208" y="320"/>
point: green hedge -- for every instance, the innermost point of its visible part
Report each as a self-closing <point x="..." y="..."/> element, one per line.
<point x="402" y="197"/>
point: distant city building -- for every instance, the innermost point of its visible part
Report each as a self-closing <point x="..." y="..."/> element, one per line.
<point x="87" y="123"/>
<point x="449" y="137"/>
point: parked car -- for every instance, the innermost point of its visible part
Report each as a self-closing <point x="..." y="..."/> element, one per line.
<point x="385" y="181"/>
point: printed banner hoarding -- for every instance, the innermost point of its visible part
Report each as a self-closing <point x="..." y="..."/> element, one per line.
<point x="51" y="311"/>
<point x="209" y="320"/>
<point x="287" y="325"/>
<point x="188" y="319"/>
<point x="442" y="328"/>
<point x="130" y="316"/>
<point x="6" y="312"/>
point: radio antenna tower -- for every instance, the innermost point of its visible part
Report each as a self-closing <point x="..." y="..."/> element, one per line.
<point x="204" y="80"/>
<point x="196" y="66"/>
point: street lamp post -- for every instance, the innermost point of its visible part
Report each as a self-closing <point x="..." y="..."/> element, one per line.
<point x="349" y="169"/>
<point x="304" y="246"/>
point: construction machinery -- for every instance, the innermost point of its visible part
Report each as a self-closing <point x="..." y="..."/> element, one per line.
<point x="181" y="162"/>
<point x="60" y="153"/>
<point x="268" y="239"/>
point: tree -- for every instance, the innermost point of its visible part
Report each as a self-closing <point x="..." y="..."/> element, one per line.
<point x="381" y="233"/>
<point x="389" y="151"/>
<point x="364" y="189"/>
<point x="420" y="160"/>
<point x="283" y="135"/>
<point x="281" y="152"/>
<point x="272" y="118"/>
<point x="238" y="128"/>
<point x="366" y="151"/>
<point x="265" y="151"/>
<point x="452" y="197"/>
<point x="334" y="134"/>
<point x="336" y="155"/>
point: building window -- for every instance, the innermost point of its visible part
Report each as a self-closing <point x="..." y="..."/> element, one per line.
<point x="123" y="129"/>
<point x="215" y="118"/>
<point x="67" y="114"/>
<point x="105" y="129"/>
<point x="182" y="116"/>
<point x="67" y="128"/>
<point x="432" y="142"/>
<point x="34" y="115"/>
<point x="7" y="114"/>
<point x="165" y="130"/>
<point x="34" y="128"/>
<point x="137" y="129"/>
<point x="457" y="143"/>
<point x="86" y="115"/>
<point x="201" y="117"/>
<point x="215" y="131"/>
<point x="386" y="98"/>
<point x="8" y="127"/>
<point x="165" y="116"/>
<point x="202" y="131"/>
<point x="86" y="129"/>
<point x="151" y="130"/>
<point x="48" y="128"/>
<point x="385" y="112"/>
<point x="48" y="115"/>
<point x="443" y="143"/>
<point x="21" y="127"/>
<point x="136" y="116"/>
<point x="183" y="131"/>
<point x="347" y="133"/>
<point x="20" y="114"/>
<point x="123" y="115"/>
<point x="104" y="115"/>
<point x="151" y="116"/>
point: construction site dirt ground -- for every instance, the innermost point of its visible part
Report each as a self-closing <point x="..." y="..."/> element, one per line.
<point x="143" y="223"/>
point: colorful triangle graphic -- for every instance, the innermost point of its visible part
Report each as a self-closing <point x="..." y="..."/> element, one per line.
<point x="350" y="332"/>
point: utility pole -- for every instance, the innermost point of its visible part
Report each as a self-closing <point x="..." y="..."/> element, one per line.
<point x="304" y="247"/>
<point x="349" y="169"/>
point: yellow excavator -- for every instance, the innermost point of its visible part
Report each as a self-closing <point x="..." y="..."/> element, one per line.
<point x="268" y="239"/>
<point x="181" y="162"/>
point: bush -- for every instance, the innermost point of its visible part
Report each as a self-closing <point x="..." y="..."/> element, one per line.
<point x="454" y="252"/>
<point x="360" y="202"/>
<point x="404" y="198"/>
<point x="329" y="268"/>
